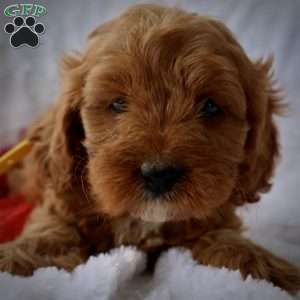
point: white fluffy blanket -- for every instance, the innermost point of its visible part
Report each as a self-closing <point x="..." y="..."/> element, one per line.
<point x="119" y="275"/>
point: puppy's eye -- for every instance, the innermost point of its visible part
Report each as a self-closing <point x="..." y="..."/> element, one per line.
<point x="209" y="108"/>
<point x="118" y="106"/>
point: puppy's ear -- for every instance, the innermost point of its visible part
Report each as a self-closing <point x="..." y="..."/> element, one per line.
<point x="261" y="148"/>
<point x="67" y="155"/>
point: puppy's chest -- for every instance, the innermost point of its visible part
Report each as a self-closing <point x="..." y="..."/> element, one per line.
<point x="149" y="237"/>
<point x="154" y="236"/>
<point x="144" y="235"/>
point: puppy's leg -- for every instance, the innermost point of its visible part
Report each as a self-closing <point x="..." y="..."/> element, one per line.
<point x="226" y="248"/>
<point x="45" y="241"/>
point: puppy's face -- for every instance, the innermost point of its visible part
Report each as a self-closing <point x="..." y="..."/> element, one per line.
<point x="165" y="122"/>
<point x="165" y="113"/>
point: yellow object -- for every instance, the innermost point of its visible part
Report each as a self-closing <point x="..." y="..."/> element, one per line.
<point x="16" y="154"/>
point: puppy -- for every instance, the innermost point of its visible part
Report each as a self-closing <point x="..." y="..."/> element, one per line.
<point x="162" y="128"/>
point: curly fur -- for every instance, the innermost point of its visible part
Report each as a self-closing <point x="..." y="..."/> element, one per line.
<point x="83" y="168"/>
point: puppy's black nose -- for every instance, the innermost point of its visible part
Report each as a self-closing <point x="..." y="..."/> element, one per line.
<point x="160" y="179"/>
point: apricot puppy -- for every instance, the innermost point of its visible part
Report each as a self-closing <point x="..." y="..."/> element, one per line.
<point x="162" y="128"/>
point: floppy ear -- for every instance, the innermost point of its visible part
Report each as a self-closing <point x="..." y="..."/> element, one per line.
<point x="67" y="155"/>
<point x="261" y="148"/>
<point x="58" y="157"/>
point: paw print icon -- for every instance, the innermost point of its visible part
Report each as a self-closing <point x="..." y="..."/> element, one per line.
<point x="24" y="31"/>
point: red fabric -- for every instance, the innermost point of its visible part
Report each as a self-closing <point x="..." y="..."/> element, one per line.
<point x="14" y="211"/>
<point x="3" y="186"/>
<point x="3" y="182"/>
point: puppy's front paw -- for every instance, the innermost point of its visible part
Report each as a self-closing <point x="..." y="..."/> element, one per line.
<point x="15" y="260"/>
<point x="228" y="249"/>
<point x="262" y="264"/>
<point x="280" y="272"/>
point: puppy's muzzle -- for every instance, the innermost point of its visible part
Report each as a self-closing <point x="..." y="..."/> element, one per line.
<point x="160" y="179"/>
